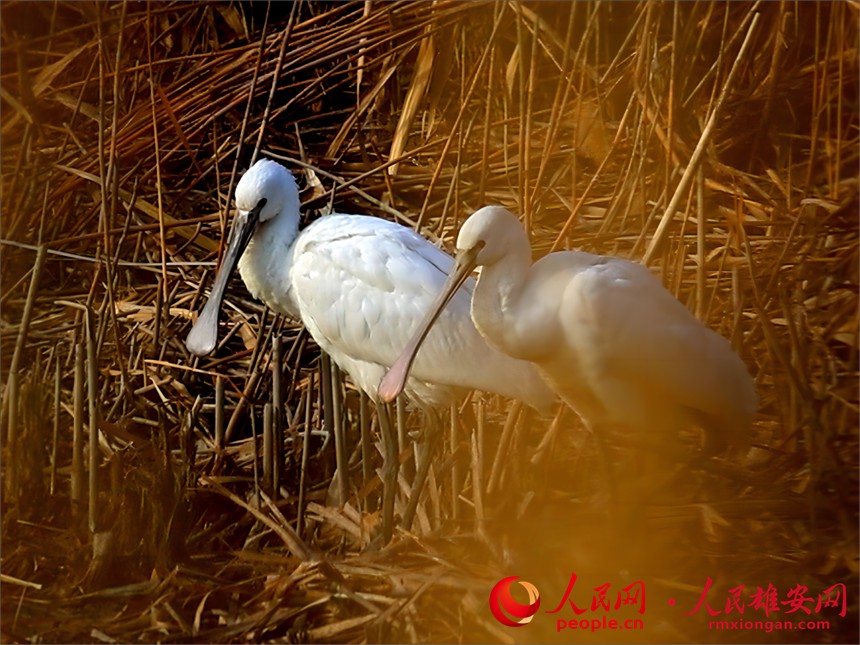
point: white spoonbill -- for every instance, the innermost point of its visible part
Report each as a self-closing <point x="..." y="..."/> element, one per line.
<point x="603" y="332"/>
<point x="360" y="285"/>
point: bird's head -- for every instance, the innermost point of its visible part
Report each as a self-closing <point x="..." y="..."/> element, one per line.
<point x="488" y="235"/>
<point x="265" y="191"/>
<point x="267" y="180"/>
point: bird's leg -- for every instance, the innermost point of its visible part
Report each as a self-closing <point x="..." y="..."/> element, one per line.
<point x="366" y="443"/>
<point x="454" y="442"/>
<point x="424" y="461"/>
<point x="341" y="455"/>
<point x="402" y="435"/>
<point x="390" y="466"/>
<point x="623" y="509"/>
<point x="608" y="470"/>
<point x="642" y="467"/>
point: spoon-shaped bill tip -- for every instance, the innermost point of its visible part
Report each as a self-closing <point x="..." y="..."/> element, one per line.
<point x="393" y="382"/>
<point x="204" y="334"/>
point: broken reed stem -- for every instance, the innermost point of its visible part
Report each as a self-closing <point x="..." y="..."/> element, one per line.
<point x="92" y="394"/>
<point x="695" y="158"/>
<point x="455" y="467"/>
<point x="399" y="404"/>
<point x="12" y="435"/>
<point x="159" y="303"/>
<point x="256" y="467"/>
<point x="219" y="413"/>
<point x="477" y="479"/>
<point x="701" y="275"/>
<point x="284" y="531"/>
<point x="737" y="309"/>
<point x="77" y="481"/>
<point x="243" y="403"/>
<point x="157" y="151"/>
<point x="424" y="453"/>
<point x="27" y="315"/>
<point x="504" y="446"/>
<point x="513" y="472"/>
<point x="433" y="489"/>
<point x="548" y="439"/>
<point x="55" y="439"/>
<point x="276" y="76"/>
<point x="457" y="121"/>
<point x="268" y="448"/>
<point x="12" y="385"/>
<point x="306" y="442"/>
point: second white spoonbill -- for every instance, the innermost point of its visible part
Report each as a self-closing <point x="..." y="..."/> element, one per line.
<point x="360" y="285"/>
<point x="604" y="333"/>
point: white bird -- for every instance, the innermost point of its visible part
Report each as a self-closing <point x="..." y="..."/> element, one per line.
<point x="603" y="332"/>
<point x="360" y="285"/>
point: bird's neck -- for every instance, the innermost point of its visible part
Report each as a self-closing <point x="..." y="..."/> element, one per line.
<point x="497" y="296"/>
<point x="265" y="265"/>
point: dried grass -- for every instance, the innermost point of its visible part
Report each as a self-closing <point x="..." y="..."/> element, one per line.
<point x="123" y="129"/>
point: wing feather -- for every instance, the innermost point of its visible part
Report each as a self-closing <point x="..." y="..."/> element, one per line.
<point x="631" y="334"/>
<point x="363" y="284"/>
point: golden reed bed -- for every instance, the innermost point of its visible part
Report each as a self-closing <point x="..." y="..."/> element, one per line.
<point x="640" y="130"/>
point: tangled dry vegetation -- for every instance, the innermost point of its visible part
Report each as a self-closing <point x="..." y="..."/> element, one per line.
<point x="642" y="130"/>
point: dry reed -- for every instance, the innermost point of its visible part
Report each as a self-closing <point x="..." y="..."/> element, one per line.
<point x="640" y="130"/>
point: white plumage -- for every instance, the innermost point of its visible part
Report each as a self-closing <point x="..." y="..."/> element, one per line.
<point x="361" y="285"/>
<point x="603" y="332"/>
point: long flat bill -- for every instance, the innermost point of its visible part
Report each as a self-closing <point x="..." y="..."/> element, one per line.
<point x="394" y="381"/>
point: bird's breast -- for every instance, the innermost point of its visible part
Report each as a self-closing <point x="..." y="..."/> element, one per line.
<point x="265" y="270"/>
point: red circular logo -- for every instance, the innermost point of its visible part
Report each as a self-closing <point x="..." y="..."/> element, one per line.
<point x="507" y="610"/>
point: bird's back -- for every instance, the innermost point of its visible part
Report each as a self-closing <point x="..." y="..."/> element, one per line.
<point x="363" y="284"/>
<point x="642" y="352"/>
